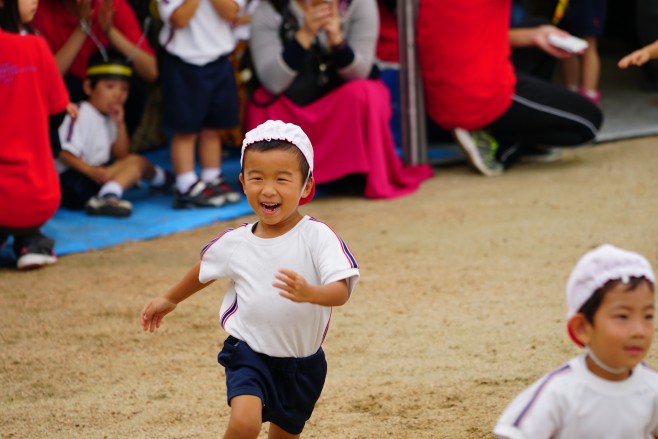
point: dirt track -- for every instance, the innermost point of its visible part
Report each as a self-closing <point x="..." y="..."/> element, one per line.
<point x="460" y="306"/>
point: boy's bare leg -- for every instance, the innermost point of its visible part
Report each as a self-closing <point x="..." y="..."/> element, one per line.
<point x="182" y="152"/>
<point x="571" y="72"/>
<point x="246" y="418"/>
<point x="210" y="149"/>
<point x="591" y="65"/>
<point x="130" y="169"/>
<point x="277" y="432"/>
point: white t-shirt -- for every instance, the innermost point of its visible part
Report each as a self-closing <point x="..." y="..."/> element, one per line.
<point x="206" y="37"/>
<point x="573" y="403"/>
<point x="90" y="137"/>
<point x="252" y="309"/>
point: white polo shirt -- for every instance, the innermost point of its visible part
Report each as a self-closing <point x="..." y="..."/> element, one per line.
<point x="90" y="137"/>
<point x="252" y="309"/>
<point x="206" y="37"/>
<point x="573" y="403"/>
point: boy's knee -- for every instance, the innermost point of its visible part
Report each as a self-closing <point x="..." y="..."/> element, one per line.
<point x="242" y="427"/>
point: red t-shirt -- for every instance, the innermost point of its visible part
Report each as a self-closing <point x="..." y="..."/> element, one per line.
<point x="464" y="50"/>
<point x="31" y="89"/>
<point x="56" y="24"/>
<point x="387" y="43"/>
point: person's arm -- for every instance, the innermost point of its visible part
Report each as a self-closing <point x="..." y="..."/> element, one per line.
<point x="227" y="9"/>
<point x="66" y="55"/>
<point x="538" y="37"/>
<point x="294" y="287"/>
<point x="640" y="56"/>
<point x="182" y="15"/>
<point x="145" y="63"/>
<point x="121" y="147"/>
<point x="354" y="46"/>
<point x="153" y="313"/>
<point x="97" y="173"/>
<point x="117" y="20"/>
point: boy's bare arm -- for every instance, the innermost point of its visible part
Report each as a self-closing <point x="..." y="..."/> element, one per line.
<point x="154" y="312"/>
<point x="181" y="17"/>
<point x="97" y="173"/>
<point x="294" y="287"/>
<point x="121" y="147"/>
<point x="227" y="9"/>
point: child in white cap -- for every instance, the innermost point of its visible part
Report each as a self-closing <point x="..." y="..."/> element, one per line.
<point x="287" y="272"/>
<point x="607" y="392"/>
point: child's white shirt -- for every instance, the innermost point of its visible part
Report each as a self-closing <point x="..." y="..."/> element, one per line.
<point x="206" y="37"/>
<point x="90" y="137"/>
<point x="573" y="403"/>
<point x="252" y="309"/>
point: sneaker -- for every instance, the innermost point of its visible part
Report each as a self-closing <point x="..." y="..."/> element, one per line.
<point x="36" y="253"/>
<point x="199" y="195"/>
<point x="480" y="148"/>
<point x="222" y="188"/>
<point x="109" y="205"/>
<point x="167" y="187"/>
<point x="593" y="95"/>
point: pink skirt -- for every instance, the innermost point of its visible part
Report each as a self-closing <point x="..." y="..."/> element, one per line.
<point x="350" y="132"/>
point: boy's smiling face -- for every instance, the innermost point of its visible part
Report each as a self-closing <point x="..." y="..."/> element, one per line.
<point x="622" y="331"/>
<point x="273" y="181"/>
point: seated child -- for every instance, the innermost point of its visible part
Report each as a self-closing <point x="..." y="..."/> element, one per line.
<point x="95" y="164"/>
<point x="288" y="270"/>
<point x="607" y="392"/>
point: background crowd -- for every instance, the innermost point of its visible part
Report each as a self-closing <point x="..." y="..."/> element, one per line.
<point x="196" y="74"/>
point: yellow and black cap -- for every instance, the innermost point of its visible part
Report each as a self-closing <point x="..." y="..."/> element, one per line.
<point x="109" y="66"/>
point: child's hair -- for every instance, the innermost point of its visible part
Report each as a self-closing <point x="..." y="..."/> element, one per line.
<point x="282" y="145"/>
<point x="10" y="17"/>
<point x="590" y="307"/>
<point x="112" y="65"/>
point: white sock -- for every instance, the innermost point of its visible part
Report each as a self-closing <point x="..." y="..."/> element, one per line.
<point x="159" y="178"/>
<point x="185" y="181"/>
<point x="209" y="175"/>
<point x="111" y="187"/>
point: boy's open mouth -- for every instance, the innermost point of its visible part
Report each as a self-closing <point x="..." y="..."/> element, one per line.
<point x="270" y="207"/>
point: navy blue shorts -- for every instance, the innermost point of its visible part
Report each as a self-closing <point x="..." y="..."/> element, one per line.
<point x="196" y="97"/>
<point x="585" y="18"/>
<point x="76" y="189"/>
<point x="288" y="387"/>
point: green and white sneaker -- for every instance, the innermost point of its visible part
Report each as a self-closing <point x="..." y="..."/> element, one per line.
<point x="480" y="148"/>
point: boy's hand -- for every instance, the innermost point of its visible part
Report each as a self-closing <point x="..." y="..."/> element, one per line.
<point x="116" y="113"/>
<point x="636" y="58"/>
<point x="294" y="287"/>
<point x="99" y="174"/>
<point x="154" y="312"/>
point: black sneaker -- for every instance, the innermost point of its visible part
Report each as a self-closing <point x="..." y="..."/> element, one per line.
<point x="222" y="188"/>
<point x="34" y="252"/>
<point x="109" y="205"/>
<point x="167" y="187"/>
<point x="199" y="195"/>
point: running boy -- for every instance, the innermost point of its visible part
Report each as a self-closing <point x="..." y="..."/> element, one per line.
<point x="199" y="94"/>
<point x="607" y="392"/>
<point x="287" y="271"/>
<point x="95" y="164"/>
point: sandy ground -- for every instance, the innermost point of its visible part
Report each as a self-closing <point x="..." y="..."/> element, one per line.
<point x="459" y="307"/>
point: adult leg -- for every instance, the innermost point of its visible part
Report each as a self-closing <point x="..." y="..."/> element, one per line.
<point x="246" y="417"/>
<point x="545" y="114"/>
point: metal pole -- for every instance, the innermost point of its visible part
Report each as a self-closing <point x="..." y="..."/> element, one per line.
<point x="412" y="103"/>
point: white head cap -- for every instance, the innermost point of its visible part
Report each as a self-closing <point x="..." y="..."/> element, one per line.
<point x="286" y="132"/>
<point x="597" y="267"/>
